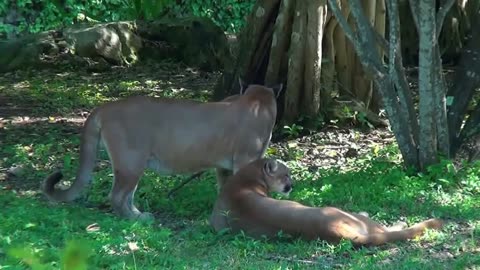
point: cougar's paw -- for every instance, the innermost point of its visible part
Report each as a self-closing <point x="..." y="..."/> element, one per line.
<point x="363" y="213"/>
<point x="434" y="223"/>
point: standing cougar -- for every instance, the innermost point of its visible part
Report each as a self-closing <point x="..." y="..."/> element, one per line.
<point x="171" y="136"/>
<point x="243" y="204"/>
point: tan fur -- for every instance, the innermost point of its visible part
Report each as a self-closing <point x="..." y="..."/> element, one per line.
<point x="243" y="204"/>
<point x="170" y="136"/>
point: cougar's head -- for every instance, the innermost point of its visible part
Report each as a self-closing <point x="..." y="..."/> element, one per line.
<point x="276" y="90"/>
<point x="277" y="176"/>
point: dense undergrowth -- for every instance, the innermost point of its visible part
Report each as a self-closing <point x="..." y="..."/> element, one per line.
<point x="40" y="132"/>
<point x="32" y="16"/>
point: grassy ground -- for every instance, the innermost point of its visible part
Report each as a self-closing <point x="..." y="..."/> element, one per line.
<point x="42" y="114"/>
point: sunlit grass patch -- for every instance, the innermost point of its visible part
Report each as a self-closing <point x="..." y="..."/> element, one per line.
<point x="33" y="230"/>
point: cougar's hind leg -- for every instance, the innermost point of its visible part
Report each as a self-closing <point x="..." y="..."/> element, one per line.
<point x="370" y="225"/>
<point x="398" y="226"/>
<point x="128" y="164"/>
<point x="122" y="195"/>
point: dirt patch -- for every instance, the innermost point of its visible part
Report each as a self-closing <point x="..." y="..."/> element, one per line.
<point x="333" y="146"/>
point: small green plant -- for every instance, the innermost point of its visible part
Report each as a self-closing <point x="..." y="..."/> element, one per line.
<point x="312" y="124"/>
<point x="292" y="131"/>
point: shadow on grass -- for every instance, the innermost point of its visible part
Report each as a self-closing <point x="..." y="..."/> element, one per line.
<point x="53" y="92"/>
<point x="39" y="147"/>
<point x="30" y="150"/>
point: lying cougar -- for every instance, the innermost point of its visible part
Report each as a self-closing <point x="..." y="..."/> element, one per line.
<point x="243" y="204"/>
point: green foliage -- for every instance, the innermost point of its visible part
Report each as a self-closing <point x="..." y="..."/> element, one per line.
<point x="292" y="131"/>
<point x="228" y="14"/>
<point x="149" y="9"/>
<point x="32" y="16"/>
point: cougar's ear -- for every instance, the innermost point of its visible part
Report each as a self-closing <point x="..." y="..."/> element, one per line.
<point x="242" y="85"/>
<point x="277" y="89"/>
<point x="270" y="167"/>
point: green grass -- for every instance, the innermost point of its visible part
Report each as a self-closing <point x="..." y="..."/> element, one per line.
<point x="34" y="231"/>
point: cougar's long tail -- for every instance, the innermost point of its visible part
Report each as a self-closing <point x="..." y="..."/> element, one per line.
<point x="88" y="154"/>
<point x="375" y="239"/>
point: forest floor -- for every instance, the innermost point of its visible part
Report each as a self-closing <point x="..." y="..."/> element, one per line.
<point x="41" y="114"/>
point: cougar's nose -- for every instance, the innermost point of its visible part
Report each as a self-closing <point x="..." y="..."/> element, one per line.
<point x="287" y="188"/>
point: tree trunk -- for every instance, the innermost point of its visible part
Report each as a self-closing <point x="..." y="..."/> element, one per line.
<point x="296" y="63"/>
<point x="362" y="84"/>
<point x="328" y="78"/>
<point x="342" y="65"/>
<point x="328" y="75"/>
<point x="466" y="81"/>
<point x="385" y="79"/>
<point x="380" y="18"/>
<point x="430" y="133"/>
<point x="289" y="49"/>
<point x="255" y="41"/>
<point x="426" y="82"/>
<point x="316" y="19"/>
<point x="278" y="59"/>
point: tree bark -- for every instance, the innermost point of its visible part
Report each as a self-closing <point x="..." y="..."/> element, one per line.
<point x="466" y="80"/>
<point x="280" y="43"/>
<point x="254" y="42"/>
<point x="398" y="76"/>
<point x="342" y="60"/>
<point x="316" y="18"/>
<point x="361" y="81"/>
<point x="426" y="82"/>
<point x="440" y="85"/>
<point x="328" y="73"/>
<point x="380" y="26"/>
<point x="296" y="62"/>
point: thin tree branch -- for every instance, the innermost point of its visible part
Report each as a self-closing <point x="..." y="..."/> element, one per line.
<point x="439" y="92"/>
<point x="472" y="125"/>
<point x="441" y="14"/>
<point x="368" y="37"/>
<point x="397" y="71"/>
<point x="343" y="22"/>
<point x="382" y="41"/>
<point x="415" y="8"/>
<point x="406" y="99"/>
<point x="393" y="34"/>
<point x="467" y="79"/>
<point x="184" y="182"/>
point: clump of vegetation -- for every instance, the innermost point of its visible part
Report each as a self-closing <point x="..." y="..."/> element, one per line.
<point x="32" y="16"/>
<point x="228" y="14"/>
